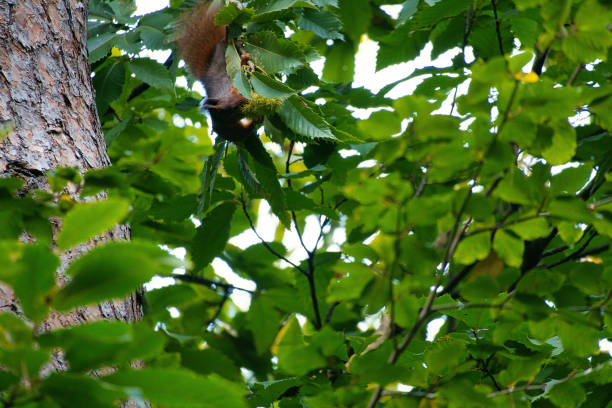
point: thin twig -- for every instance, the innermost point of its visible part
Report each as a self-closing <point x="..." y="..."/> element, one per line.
<point x="554" y="251"/>
<point x="508" y="108"/>
<point x="562" y="248"/>
<point x="503" y="225"/>
<point x="466" y="33"/>
<point x="454" y="240"/>
<point x="299" y="234"/>
<point x="423" y="314"/>
<point x="327" y="221"/>
<point x="199" y="280"/>
<point x="219" y="309"/>
<point x="330" y="311"/>
<point x="442" y="308"/>
<point x="315" y="302"/>
<point x="574" y="75"/>
<point x="413" y="394"/>
<point x="421" y="186"/>
<point x="593" y="251"/>
<point x="599" y="203"/>
<point x="530" y="387"/>
<point x="574" y="255"/>
<point x="455" y="280"/>
<point x="266" y="245"/>
<point x="310" y="275"/>
<point x="293" y="215"/>
<point x="484" y="367"/>
<point x="603" y="302"/>
<point x="497" y="27"/>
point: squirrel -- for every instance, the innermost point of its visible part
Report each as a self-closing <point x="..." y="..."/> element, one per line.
<point x="202" y="46"/>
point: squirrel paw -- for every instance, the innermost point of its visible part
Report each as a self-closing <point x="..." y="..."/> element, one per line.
<point x="210" y="103"/>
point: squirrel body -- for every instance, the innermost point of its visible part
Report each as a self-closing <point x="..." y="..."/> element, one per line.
<point x="202" y="46"/>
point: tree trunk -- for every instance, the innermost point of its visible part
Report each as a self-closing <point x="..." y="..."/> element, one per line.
<point x="46" y="91"/>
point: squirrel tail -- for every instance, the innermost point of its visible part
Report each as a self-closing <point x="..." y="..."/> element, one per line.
<point x="199" y="36"/>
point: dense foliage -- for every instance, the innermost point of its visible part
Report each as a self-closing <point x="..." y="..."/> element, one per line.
<point x="482" y="198"/>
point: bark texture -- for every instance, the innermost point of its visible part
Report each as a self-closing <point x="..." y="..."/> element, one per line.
<point x="46" y="91"/>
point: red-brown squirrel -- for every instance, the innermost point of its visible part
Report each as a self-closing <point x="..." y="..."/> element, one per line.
<point x="202" y="46"/>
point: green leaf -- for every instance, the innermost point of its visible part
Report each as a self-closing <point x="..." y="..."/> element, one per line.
<point x="355" y="16"/>
<point x="274" y="54"/>
<point x="152" y="29"/>
<point x="323" y="23"/>
<point x="71" y="390"/>
<point x="380" y="125"/>
<point x="531" y="229"/>
<point x="277" y="5"/>
<point x="441" y="10"/>
<point x="152" y="72"/>
<point x="409" y="7"/>
<point x="570" y="180"/>
<point x="521" y="368"/>
<point x="568" y="394"/>
<point x="7" y="380"/>
<point x="264" y="322"/>
<point x="444" y="354"/>
<point x="89" y="219"/>
<point x="540" y="282"/>
<point x="402" y="44"/>
<point x="513" y="188"/>
<point x="209" y="361"/>
<point x="181" y="388"/>
<point x="300" y="118"/>
<point x="509" y="248"/>
<point x="571" y="209"/>
<point x="524" y="28"/>
<point x="102" y="344"/>
<point x="297" y="201"/>
<point x="266" y="174"/>
<point x="354" y="277"/>
<point x="563" y="144"/>
<point x="212" y="235"/>
<point x="473" y="248"/>
<point x="60" y="177"/>
<point x="339" y="63"/>
<point x="406" y="310"/>
<point x="208" y="176"/>
<point x="109" y="84"/>
<point x="101" y="45"/>
<point x="294" y="355"/>
<point x="24" y="360"/>
<point x="270" y="87"/>
<point x="227" y="14"/>
<point x="570" y="232"/>
<point x="35" y="279"/>
<point x="14" y="331"/>
<point x="113" y="271"/>
<point x="265" y="393"/>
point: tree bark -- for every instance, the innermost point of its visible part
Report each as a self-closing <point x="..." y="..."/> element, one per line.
<point x="46" y="91"/>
